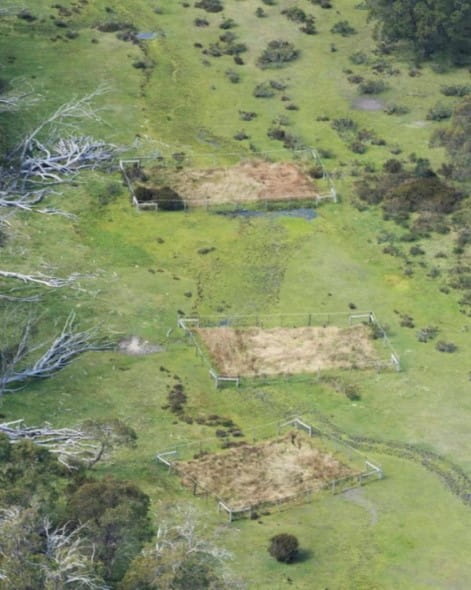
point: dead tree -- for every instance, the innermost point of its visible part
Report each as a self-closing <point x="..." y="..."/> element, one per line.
<point x="51" y="154"/>
<point x="68" y="345"/>
<point x="66" y="559"/>
<point x="40" y="279"/>
<point x="85" y="445"/>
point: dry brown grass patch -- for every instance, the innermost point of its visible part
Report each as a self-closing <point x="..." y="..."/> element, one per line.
<point x="269" y="471"/>
<point x="254" y="351"/>
<point x="246" y="182"/>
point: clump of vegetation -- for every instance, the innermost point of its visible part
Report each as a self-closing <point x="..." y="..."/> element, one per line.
<point x="228" y="23"/>
<point x="277" y="54"/>
<point x="427" y="334"/>
<point x="210" y="5"/>
<point x="372" y="86"/>
<point x="439" y="112"/>
<point x="232" y="76"/>
<point x="456" y="90"/>
<point x="343" y="28"/>
<point x="247" y="115"/>
<point x="443" y="346"/>
<point x="295" y="14"/>
<point x="263" y="90"/>
<point x="358" y="58"/>
<point x="396" y="109"/>
<point x="284" y="547"/>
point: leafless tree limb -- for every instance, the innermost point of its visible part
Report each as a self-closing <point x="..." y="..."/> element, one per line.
<point x="67" y="346"/>
<point x="84" y="445"/>
<point x="40" y="279"/>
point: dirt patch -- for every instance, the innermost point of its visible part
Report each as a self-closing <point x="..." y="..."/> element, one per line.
<point x="246" y="182"/>
<point x="255" y="351"/>
<point x="366" y="103"/>
<point x="135" y="346"/>
<point x="268" y="471"/>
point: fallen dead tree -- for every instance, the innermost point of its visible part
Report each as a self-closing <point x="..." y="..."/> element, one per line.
<point x="84" y="445"/>
<point x="15" y="371"/>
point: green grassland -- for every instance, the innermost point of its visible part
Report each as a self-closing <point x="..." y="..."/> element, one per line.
<point x="408" y="531"/>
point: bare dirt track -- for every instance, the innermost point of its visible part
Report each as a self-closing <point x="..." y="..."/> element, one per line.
<point x="254" y="351"/>
<point x="246" y="182"/>
<point x="269" y="471"/>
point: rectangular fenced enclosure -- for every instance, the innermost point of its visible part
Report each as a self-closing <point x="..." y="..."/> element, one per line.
<point x="285" y="463"/>
<point x="237" y="348"/>
<point x="225" y="182"/>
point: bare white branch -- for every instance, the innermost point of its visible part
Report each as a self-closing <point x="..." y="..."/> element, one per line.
<point x="40" y="279"/>
<point x="61" y="352"/>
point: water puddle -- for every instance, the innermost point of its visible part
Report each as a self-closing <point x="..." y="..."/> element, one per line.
<point x="302" y="213"/>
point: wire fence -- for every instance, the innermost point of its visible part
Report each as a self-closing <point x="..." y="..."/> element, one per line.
<point x="387" y="356"/>
<point x="363" y="470"/>
<point x="133" y="168"/>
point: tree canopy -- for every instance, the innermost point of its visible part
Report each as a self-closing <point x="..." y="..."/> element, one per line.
<point x="432" y="26"/>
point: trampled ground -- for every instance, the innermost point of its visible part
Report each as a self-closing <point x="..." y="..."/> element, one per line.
<point x="255" y="351"/>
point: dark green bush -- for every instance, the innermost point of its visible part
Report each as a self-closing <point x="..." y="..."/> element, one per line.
<point x="210" y="5"/>
<point x="443" y="346"/>
<point x="456" y="90"/>
<point x="439" y="112"/>
<point x="277" y="54"/>
<point x="343" y="28"/>
<point x="372" y="86"/>
<point x="263" y="90"/>
<point x="295" y="14"/>
<point x="284" y="547"/>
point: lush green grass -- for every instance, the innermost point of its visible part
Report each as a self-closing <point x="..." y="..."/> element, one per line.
<point x="147" y="267"/>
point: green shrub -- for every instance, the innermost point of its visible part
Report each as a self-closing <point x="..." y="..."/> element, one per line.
<point x="343" y="28"/>
<point x="439" y="112"/>
<point x="277" y="54"/>
<point x="210" y="5"/>
<point x="443" y="346"/>
<point x="295" y="14"/>
<point x="373" y="86"/>
<point x="456" y="90"/>
<point x="359" y="57"/>
<point x="263" y="90"/>
<point x="284" y="547"/>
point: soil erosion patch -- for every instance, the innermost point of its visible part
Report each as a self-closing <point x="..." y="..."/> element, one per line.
<point x="254" y="351"/>
<point x="269" y="471"/>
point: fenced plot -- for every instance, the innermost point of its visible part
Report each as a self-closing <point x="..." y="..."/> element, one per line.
<point x="266" y="472"/>
<point x="172" y="185"/>
<point x="273" y="473"/>
<point x="246" y="347"/>
<point x="251" y="352"/>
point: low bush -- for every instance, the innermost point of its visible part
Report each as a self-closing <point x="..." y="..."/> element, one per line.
<point x="277" y="54"/>
<point x="358" y="58"/>
<point x="372" y="86"/>
<point x="456" y="90"/>
<point x="210" y="5"/>
<point x="263" y="90"/>
<point x="343" y="28"/>
<point x="439" y="112"/>
<point x="295" y="14"/>
<point x="427" y="334"/>
<point x="443" y="346"/>
<point x="284" y="547"/>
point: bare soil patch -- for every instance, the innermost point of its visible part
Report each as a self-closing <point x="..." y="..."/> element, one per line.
<point x="246" y="182"/>
<point x="269" y="471"/>
<point x="136" y="346"/>
<point x="254" y="351"/>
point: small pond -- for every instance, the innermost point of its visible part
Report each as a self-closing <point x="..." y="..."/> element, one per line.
<point x="302" y="213"/>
